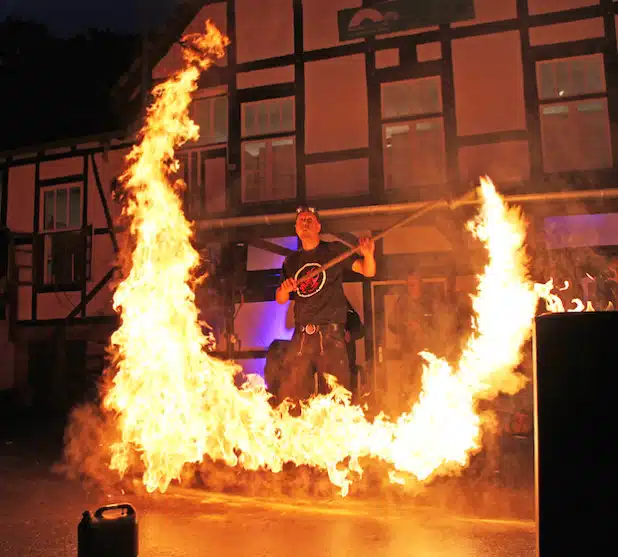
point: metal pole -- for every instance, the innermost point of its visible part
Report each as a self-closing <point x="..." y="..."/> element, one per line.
<point x="427" y="208"/>
<point x="328" y="214"/>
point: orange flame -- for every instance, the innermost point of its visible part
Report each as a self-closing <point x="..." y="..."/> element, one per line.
<point x="553" y="302"/>
<point x="444" y="428"/>
<point x="175" y="403"/>
<point x="159" y="344"/>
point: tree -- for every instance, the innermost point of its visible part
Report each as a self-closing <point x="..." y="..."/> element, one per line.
<point x="54" y="88"/>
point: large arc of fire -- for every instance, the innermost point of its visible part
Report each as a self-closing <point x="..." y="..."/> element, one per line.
<point x="174" y="404"/>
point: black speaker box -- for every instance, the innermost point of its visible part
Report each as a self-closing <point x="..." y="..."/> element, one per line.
<point x="576" y="395"/>
<point x="233" y="265"/>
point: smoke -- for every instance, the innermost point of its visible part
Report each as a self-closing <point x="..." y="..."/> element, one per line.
<point x="579" y="270"/>
<point x="89" y="436"/>
<point x="92" y="432"/>
<point x="87" y="440"/>
<point x="431" y="312"/>
<point x="468" y="493"/>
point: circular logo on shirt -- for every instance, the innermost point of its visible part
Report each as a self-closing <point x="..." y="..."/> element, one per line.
<point x="312" y="286"/>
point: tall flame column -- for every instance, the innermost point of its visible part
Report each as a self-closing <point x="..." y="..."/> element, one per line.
<point x="576" y="400"/>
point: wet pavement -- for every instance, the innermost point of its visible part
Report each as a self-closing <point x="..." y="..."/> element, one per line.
<point x="40" y="511"/>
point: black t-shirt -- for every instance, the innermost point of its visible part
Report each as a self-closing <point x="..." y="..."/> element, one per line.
<point x="320" y="300"/>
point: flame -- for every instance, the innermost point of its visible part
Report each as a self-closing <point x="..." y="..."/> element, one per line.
<point x="554" y="304"/>
<point x="444" y="428"/>
<point x="158" y="347"/>
<point x="175" y="404"/>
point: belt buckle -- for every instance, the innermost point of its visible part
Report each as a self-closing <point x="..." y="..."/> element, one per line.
<point x="310" y="329"/>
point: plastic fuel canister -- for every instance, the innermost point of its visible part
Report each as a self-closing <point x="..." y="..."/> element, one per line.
<point x="110" y="532"/>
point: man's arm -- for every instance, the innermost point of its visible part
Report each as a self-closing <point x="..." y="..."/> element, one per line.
<point x="282" y="295"/>
<point x="367" y="265"/>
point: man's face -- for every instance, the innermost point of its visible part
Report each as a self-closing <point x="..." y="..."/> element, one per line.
<point x="307" y="225"/>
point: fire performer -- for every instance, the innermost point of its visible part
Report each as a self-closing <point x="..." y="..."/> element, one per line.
<point x="320" y="311"/>
<point x="275" y="356"/>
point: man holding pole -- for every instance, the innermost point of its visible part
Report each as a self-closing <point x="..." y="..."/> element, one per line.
<point x="315" y="275"/>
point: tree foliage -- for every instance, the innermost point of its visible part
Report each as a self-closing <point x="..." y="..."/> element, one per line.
<point x="54" y="88"/>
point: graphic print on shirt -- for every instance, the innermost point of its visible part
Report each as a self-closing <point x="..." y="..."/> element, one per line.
<point x="312" y="286"/>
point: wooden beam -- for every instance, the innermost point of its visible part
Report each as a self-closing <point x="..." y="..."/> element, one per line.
<point x="95" y="290"/>
<point x="347" y="238"/>
<point x="106" y="211"/>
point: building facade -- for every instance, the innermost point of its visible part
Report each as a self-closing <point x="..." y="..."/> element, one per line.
<point x="336" y="104"/>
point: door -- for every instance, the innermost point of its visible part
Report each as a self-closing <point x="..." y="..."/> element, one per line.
<point x="397" y="368"/>
<point x="390" y="368"/>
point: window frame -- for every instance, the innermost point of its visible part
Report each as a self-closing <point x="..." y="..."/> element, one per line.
<point x="48" y="234"/>
<point x="55" y="189"/>
<point x="192" y="163"/>
<point x="269" y="186"/>
<point x="568" y="101"/>
<point x="210" y="95"/>
<point x="46" y="280"/>
<point x="413" y="118"/>
<point x="385" y="85"/>
<point x="193" y="154"/>
<point x="269" y="139"/>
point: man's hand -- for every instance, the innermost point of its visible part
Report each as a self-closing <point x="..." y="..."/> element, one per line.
<point x="288" y="286"/>
<point x="367" y="265"/>
<point x="366" y="246"/>
<point x="282" y="295"/>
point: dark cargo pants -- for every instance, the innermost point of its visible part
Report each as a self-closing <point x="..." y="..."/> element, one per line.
<point x="322" y="352"/>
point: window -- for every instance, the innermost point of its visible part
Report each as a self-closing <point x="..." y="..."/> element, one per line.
<point x="413" y="133"/>
<point x="66" y="258"/>
<point x="574" y="118"/>
<point x="204" y="173"/>
<point x="62" y="208"/>
<point x="268" y="117"/>
<point x="203" y="162"/>
<point x="210" y="113"/>
<point x="269" y="169"/>
<point x="411" y="98"/>
<point x="268" y="150"/>
<point x="65" y="249"/>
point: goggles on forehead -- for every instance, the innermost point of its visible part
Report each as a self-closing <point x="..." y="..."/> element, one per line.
<point x="306" y="209"/>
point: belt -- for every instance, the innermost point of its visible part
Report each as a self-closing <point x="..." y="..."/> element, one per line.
<point x="311" y="329"/>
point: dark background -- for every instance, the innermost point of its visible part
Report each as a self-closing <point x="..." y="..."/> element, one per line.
<point x="66" y="18"/>
<point x="60" y="60"/>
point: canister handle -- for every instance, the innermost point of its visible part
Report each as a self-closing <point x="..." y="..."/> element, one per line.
<point x="129" y="510"/>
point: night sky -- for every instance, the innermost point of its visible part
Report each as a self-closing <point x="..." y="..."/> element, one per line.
<point x="68" y="17"/>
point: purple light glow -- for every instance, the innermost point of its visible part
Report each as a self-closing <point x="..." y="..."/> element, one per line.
<point x="574" y="231"/>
